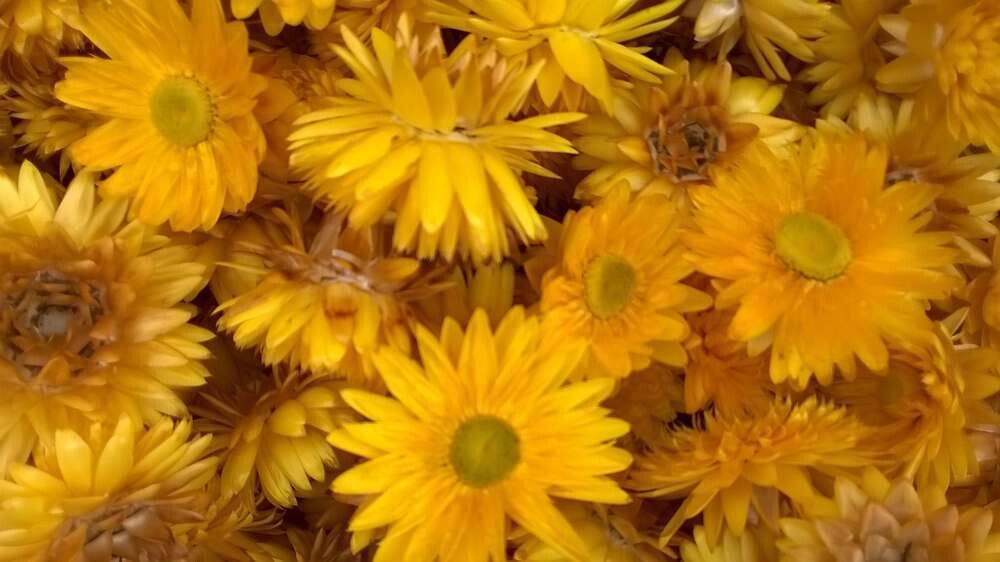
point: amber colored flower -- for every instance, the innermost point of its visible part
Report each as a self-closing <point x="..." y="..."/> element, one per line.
<point x="716" y="466"/>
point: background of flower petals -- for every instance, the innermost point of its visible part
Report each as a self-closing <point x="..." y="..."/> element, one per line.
<point x="488" y="280"/>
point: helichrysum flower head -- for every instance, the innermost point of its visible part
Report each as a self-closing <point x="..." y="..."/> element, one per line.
<point x="92" y="323"/>
<point x="618" y="286"/>
<point x="176" y="98"/>
<point x="489" y="287"/>
<point x="649" y="401"/>
<point x="34" y="32"/>
<point x="272" y="432"/>
<point x="318" y="297"/>
<point x="275" y="14"/>
<point x="882" y="520"/>
<point x="484" y="430"/>
<point x="43" y="125"/>
<point x="660" y="137"/>
<point x="820" y="257"/>
<point x="767" y="28"/>
<point x="948" y="57"/>
<point x="716" y="467"/>
<point x="848" y="56"/>
<point x="427" y="139"/>
<point x="104" y="495"/>
<point x="575" y="41"/>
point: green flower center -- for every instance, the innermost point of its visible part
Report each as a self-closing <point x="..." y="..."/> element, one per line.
<point x="608" y="285"/>
<point x="484" y="451"/>
<point x="813" y="246"/>
<point x="181" y="109"/>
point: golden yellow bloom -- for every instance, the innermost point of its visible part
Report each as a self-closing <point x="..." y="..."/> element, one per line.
<point x="489" y="287"/>
<point x="924" y="405"/>
<point x="427" y="139"/>
<point x="126" y="494"/>
<point x="608" y="536"/>
<point x="43" y="125"/>
<point x="317" y="296"/>
<point x="756" y="544"/>
<point x="847" y="58"/>
<point x="765" y="27"/>
<point x="486" y="429"/>
<point x="719" y="369"/>
<point x="648" y="400"/>
<point x="236" y="529"/>
<point x="272" y="431"/>
<point x="176" y="99"/>
<point x="574" y="41"/>
<point x="91" y="320"/>
<point x="274" y="14"/>
<point x="883" y="520"/>
<point x="617" y="285"/>
<point x="949" y="52"/>
<point x="716" y="467"/>
<point x="296" y="85"/>
<point x="820" y="258"/>
<point x="658" y="137"/>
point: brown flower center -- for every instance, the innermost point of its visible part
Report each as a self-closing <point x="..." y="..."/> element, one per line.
<point x="129" y="531"/>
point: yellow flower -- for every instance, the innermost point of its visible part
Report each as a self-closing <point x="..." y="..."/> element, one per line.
<point x="43" y="125"/>
<point x="716" y="467"/>
<point x="648" y="400"/>
<point x="362" y="16"/>
<point x="484" y="430"/>
<point x="660" y="136"/>
<point x="35" y="32"/>
<point x="756" y="544"/>
<point x="296" y="85"/>
<point x="765" y="26"/>
<point x="720" y="371"/>
<point x="272" y="431"/>
<point x="236" y="529"/>
<point x="925" y="404"/>
<point x="129" y="494"/>
<point x="948" y="56"/>
<point x="429" y="141"/>
<point x="317" y="296"/>
<point x="91" y="320"/>
<point x="820" y="258"/>
<point x="617" y="284"/>
<point x="573" y="40"/>
<point x="274" y="14"/>
<point x="489" y="287"/>
<point x="609" y="537"/>
<point x="176" y="100"/>
<point x="848" y="57"/>
<point x="883" y="520"/>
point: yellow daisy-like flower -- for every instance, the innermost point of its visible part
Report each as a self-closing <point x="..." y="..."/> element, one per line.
<point x="319" y="297"/>
<point x="848" y="57"/>
<point x="658" y="137"/>
<point x="883" y="520"/>
<point x="924" y="406"/>
<point x="127" y="494"/>
<point x="176" y="101"/>
<point x="91" y="320"/>
<point x="427" y="140"/>
<point x="617" y="284"/>
<point x="574" y="41"/>
<point x="719" y="369"/>
<point x="489" y="287"/>
<point x="948" y="55"/>
<point x="43" y="125"/>
<point x="648" y="400"/>
<point x="716" y="467"/>
<point x="486" y="429"/>
<point x="272" y="431"/>
<point x="608" y="536"/>
<point x="820" y="258"/>
<point x="275" y="14"/>
<point x="765" y="27"/>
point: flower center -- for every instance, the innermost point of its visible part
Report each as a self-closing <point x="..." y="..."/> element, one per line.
<point x="813" y="246"/>
<point x="608" y="285"/>
<point x="484" y="451"/>
<point x="181" y="109"/>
